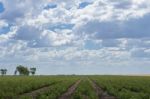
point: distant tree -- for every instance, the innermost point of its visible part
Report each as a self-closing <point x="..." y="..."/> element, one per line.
<point x="3" y="71"/>
<point x="32" y="71"/>
<point x="22" y="70"/>
<point x="15" y="73"/>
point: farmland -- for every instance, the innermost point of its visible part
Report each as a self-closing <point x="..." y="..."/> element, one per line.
<point x="74" y="87"/>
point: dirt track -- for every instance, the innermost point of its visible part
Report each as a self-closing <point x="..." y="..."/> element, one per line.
<point x="67" y="95"/>
<point x="100" y="93"/>
<point x="33" y="94"/>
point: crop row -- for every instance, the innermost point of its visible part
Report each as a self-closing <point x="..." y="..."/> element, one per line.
<point x="125" y="87"/>
<point x="122" y="87"/>
<point x="56" y="90"/>
<point x="11" y="87"/>
<point x="84" y="91"/>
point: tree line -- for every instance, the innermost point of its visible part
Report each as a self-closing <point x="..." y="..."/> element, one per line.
<point x="22" y="70"/>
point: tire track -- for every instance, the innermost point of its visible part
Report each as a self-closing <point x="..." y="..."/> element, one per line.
<point x="100" y="92"/>
<point x="70" y="91"/>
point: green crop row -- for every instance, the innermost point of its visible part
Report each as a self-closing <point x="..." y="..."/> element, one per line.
<point x="122" y="87"/>
<point x="12" y="87"/>
<point x="125" y="87"/>
<point x="58" y="89"/>
<point x="84" y="91"/>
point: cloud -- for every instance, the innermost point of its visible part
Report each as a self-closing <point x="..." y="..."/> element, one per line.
<point x="57" y="38"/>
<point x="110" y="43"/>
<point x="79" y="32"/>
<point x="42" y="38"/>
<point x="27" y="33"/>
<point x="140" y="53"/>
<point x="14" y="10"/>
<point x="50" y="6"/>
<point x="135" y="28"/>
<point x="3" y="24"/>
<point x="110" y="22"/>
<point x="83" y="5"/>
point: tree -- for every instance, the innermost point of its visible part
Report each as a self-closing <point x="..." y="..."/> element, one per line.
<point x="3" y="71"/>
<point x="32" y="71"/>
<point x="15" y="73"/>
<point x="22" y="70"/>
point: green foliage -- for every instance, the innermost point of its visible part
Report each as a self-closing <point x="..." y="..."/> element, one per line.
<point x="125" y="87"/>
<point x="3" y="71"/>
<point x="56" y="90"/>
<point x="13" y="86"/>
<point x="32" y="71"/>
<point x="85" y="91"/>
<point x="22" y="70"/>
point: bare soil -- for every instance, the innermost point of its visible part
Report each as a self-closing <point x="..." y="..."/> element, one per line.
<point x="70" y="91"/>
<point x="100" y="92"/>
<point x="85" y="97"/>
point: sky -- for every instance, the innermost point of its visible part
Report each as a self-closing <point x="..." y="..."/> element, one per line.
<point x="76" y="36"/>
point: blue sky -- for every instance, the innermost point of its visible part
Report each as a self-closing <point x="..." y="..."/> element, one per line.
<point x="76" y="37"/>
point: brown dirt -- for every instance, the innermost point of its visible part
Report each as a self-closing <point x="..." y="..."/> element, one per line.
<point x="67" y="95"/>
<point x="101" y="93"/>
<point x="33" y="94"/>
<point x="85" y="97"/>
